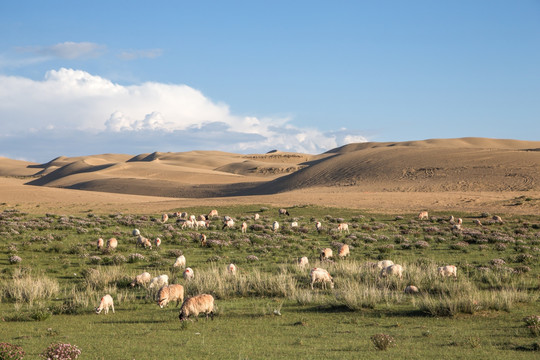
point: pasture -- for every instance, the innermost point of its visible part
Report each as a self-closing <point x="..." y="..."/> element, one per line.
<point x="53" y="276"/>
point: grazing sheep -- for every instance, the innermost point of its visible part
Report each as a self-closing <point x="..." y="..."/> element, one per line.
<point x="201" y="223"/>
<point x="195" y="305"/>
<point x="183" y="215"/>
<point x="343" y="250"/>
<point x="303" y="262"/>
<point x="136" y="232"/>
<point x="322" y="276"/>
<point x="326" y="254"/>
<point x="158" y="242"/>
<point x="141" y="279"/>
<point x="100" y="243"/>
<point x="112" y="243"/>
<point x="423" y="215"/>
<point x="164" y="218"/>
<point x="457" y="225"/>
<point x="294" y="224"/>
<point x="158" y="282"/>
<point x="244" y="227"/>
<point x="497" y="219"/>
<point x="256" y="217"/>
<point x="395" y="269"/>
<point x="411" y="290"/>
<point x="343" y="227"/>
<point x="283" y="212"/>
<point x="384" y="263"/>
<point x="231" y="269"/>
<point x="188" y="223"/>
<point x="228" y="223"/>
<point x="188" y="274"/>
<point x="212" y="214"/>
<point x="180" y="262"/>
<point x="451" y="219"/>
<point x="106" y="302"/>
<point x="448" y="270"/>
<point x="202" y="238"/>
<point x="144" y="242"/>
<point x="477" y="222"/>
<point x="201" y="218"/>
<point x="275" y="226"/>
<point x="170" y="293"/>
<point x="318" y="226"/>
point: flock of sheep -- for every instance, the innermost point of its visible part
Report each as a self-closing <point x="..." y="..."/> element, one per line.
<point x="204" y="303"/>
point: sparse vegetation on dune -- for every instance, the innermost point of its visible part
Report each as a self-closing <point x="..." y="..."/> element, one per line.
<point x="63" y="275"/>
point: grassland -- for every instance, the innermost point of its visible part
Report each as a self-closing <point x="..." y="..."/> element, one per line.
<point x="268" y="310"/>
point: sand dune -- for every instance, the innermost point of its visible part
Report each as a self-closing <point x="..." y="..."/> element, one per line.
<point x="466" y="166"/>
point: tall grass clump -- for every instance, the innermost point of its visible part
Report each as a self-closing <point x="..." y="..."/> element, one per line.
<point x="28" y="288"/>
<point x="101" y="277"/>
<point x="356" y="296"/>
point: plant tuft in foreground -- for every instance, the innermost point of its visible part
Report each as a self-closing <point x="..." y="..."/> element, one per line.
<point x="61" y="351"/>
<point x="383" y="341"/>
<point x="10" y="351"/>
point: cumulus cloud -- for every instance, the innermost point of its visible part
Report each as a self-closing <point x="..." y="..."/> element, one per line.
<point x="66" y="50"/>
<point x="72" y="112"/>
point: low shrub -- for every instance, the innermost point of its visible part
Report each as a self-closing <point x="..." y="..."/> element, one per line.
<point x="11" y="352"/>
<point x="61" y="351"/>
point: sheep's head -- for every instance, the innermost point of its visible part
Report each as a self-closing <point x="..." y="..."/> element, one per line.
<point x="98" y="310"/>
<point x="182" y="316"/>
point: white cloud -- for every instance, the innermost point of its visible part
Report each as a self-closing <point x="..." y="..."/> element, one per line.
<point x="66" y="50"/>
<point x="73" y="104"/>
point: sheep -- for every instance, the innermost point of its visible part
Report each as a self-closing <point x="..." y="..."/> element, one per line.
<point x="411" y="290"/>
<point x="201" y="223"/>
<point x="244" y="227"/>
<point x="136" y="232"/>
<point x="457" y="226"/>
<point x="423" y="215"/>
<point x="192" y="218"/>
<point x="201" y="218"/>
<point x="451" y="219"/>
<point x="256" y="217"/>
<point x="100" y="243"/>
<point x="393" y="270"/>
<point x="343" y="250"/>
<point x="170" y="293"/>
<point x="195" y="305"/>
<point x="229" y="223"/>
<point x="231" y="269"/>
<point x="318" y="226"/>
<point x="283" y="212"/>
<point x="322" y="276"/>
<point x="303" y="262"/>
<point x="202" y="239"/>
<point x="477" y="222"/>
<point x="158" y="242"/>
<point x="164" y="218"/>
<point x="106" y="302"/>
<point x="497" y="219"/>
<point x="188" y="223"/>
<point x="182" y="215"/>
<point x="343" y="227"/>
<point x="144" y="242"/>
<point x="158" y="282"/>
<point x="326" y="254"/>
<point x="180" y="262"/>
<point x="141" y="279"/>
<point x="112" y="243"/>
<point x="294" y="224"/>
<point x="188" y="274"/>
<point x="383" y="264"/>
<point x="213" y="213"/>
<point x="448" y="270"/>
<point x="275" y="226"/>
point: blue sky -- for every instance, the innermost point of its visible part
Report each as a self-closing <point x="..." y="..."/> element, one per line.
<point x="89" y="77"/>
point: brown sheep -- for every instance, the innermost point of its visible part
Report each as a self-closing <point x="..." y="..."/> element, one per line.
<point x="195" y="305"/>
<point x="170" y="293"/>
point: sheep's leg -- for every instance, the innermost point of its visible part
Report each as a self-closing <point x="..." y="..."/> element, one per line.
<point x="112" y="306"/>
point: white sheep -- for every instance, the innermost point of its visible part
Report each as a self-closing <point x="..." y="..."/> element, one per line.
<point x="195" y="305"/>
<point x="326" y="254"/>
<point x="188" y="223"/>
<point x="322" y="276"/>
<point x="228" y="223"/>
<point x="343" y="251"/>
<point x="213" y="213"/>
<point x="112" y="243"/>
<point x="411" y="289"/>
<point x="141" y="279"/>
<point x="136" y="232"/>
<point x="159" y="281"/>
<point x="457" y="226"/>
<point x="164" y="218"/>
<point x="244" y="227"/>
<point x="192" y="218"/>
<point x="256" y="217"/>
<point x="477" y="222"/>
<point x="201" y="218"/>
<point x="447" y="270"/>
<point x="275" y="226"/>
<point x="303" y="262"/>
<point x="231" y="269"/>
<point x="106" y="302"/>
<point x="144" y="242"/>
<point x="201" y="223"/>
<point x="188" y="274"/>
<point x="343" y="227"/>
<point x="423" y="215"/>
<point x="169" y="293"/>
<point x="384" y="263"/>
<point x="202" y="239"/>
<point x="283" y="212"/>
<point x="395" y="269"/>
<point x="318" y="226"/>
<point x="158" y="242"/>
<point x="294" y="224"/>
<point x="180" y="262"/>
<point x="100" y="243"/>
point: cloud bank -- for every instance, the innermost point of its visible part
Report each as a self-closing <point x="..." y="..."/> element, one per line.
<point x="72" y="112"/>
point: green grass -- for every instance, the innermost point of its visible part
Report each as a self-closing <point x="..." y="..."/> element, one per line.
<point x="50" y="295"/>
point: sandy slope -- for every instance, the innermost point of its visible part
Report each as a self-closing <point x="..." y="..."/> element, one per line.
<point x="473" y="174"/>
